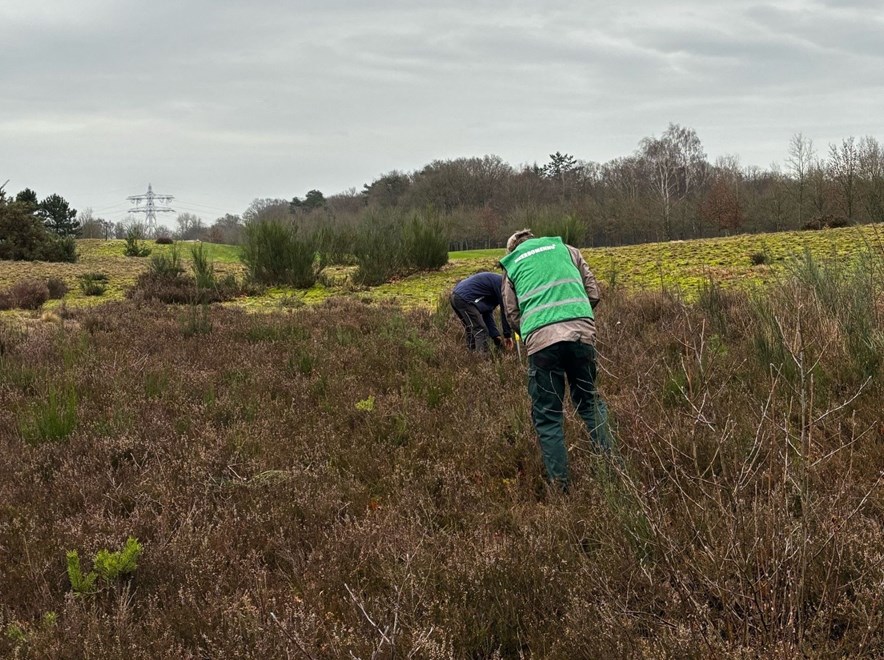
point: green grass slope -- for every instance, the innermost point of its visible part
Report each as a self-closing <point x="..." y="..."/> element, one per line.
<point x="679" y="266"/>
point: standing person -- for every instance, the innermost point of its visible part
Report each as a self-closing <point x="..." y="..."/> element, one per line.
<point x="474" y="301"/>
<point x="548" y="297"/>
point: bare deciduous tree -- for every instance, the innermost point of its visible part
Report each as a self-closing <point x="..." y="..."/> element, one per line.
<point x="800" y="162"/>
<point x="189" y="226"/>
<point x="676" y="165"/>
<point x="844" y="169"/>
<point x="871" y="172"/>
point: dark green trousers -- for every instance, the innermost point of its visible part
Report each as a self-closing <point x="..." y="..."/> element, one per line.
<point x="547" y="371"/>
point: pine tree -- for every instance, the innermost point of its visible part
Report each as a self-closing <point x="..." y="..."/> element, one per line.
<point x="58" y="216"/>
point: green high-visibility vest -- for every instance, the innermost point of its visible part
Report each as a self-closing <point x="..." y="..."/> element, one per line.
<point x="549" y="287"/>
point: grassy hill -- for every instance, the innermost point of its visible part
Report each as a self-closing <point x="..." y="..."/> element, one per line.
<point x="743" y="261"/>
<point x="98" y="256"/>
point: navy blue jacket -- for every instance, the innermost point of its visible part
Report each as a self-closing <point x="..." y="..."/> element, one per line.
<point x="484" y="290"/>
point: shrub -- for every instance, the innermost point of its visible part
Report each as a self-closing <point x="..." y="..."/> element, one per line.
<point x="726" y="310"/>
<point x="166" y="281"/>
<point x="183" y="290"/>
<point x="378" y="251"/>
<point x="179" y="289"/>
<point x="197" y="321"/>
<point x="53" y="419"/>
<point x="425" y="243"/>
<point x="134" y="247"/>
<point x="385" y="245"/>
<point x="758" y="258"/>
<point x="203" y="268"/>
<point x="335" y="246"/>
<point x="839" y="324"/>
<point x="274" y="253"/>
<point x="80" y="583"/>
<point x="164" y="240"/>
<point x="166" y="264"/>
<point x="570" y="228"/>
<point x="57" y="288"/>
<point x="29" y="294"/>
<point x="107" y="565"/>
<point x="93" y="284"/>
<point x="112" y="565"/>
<point x="58" y="249"/>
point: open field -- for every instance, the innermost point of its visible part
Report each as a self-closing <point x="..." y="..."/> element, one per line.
<point x="673" y="266"/>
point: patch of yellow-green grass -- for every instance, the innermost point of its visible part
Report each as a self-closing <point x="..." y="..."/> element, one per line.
<point x="99" y="256"/>
<point x="281" y="298"/>
<point x="424" y="289"/>
<point x="93" y="248"/>
<point x="683" y="266"/>
<point x="492" y="253"/>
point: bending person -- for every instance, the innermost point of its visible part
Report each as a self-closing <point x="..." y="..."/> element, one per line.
<point x="474" y="301"/>
<point x="548" y="298"/>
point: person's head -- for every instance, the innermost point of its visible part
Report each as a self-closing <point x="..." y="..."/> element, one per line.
<point x="518" y="238"/>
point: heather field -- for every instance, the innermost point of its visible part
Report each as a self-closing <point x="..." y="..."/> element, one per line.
<point x="341" y="479"/>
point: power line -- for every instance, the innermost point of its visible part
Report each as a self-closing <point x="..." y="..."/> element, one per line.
<point x="205" y="206"/>
<point x="150" y="204"/>
<point x="120" y="206"/>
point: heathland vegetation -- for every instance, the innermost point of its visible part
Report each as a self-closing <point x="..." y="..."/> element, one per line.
<point x="338" y="477"/>
<point x="343" y="480"/>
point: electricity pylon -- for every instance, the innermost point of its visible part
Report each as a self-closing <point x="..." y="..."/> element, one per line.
<point x="150" y="204"/>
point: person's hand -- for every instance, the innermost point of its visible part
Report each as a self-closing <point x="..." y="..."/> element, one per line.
<point x="508" y="343"/>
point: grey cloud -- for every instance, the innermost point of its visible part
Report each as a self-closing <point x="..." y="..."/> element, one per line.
<point x="237" y="100"/>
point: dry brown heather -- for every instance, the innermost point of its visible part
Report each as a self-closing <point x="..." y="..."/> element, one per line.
<point x="286" y="513"/>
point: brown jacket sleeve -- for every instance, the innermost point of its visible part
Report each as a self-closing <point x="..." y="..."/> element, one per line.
<point x="511" y="305"/>
<point x="589" y="281"/>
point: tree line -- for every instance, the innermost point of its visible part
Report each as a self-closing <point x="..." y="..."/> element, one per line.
<point x="667" y="189"/>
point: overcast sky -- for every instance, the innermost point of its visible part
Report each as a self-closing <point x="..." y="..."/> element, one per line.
<point x="220" y="102"/>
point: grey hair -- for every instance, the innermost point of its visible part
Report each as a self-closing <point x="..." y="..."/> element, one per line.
<point x="518" y="238"/>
